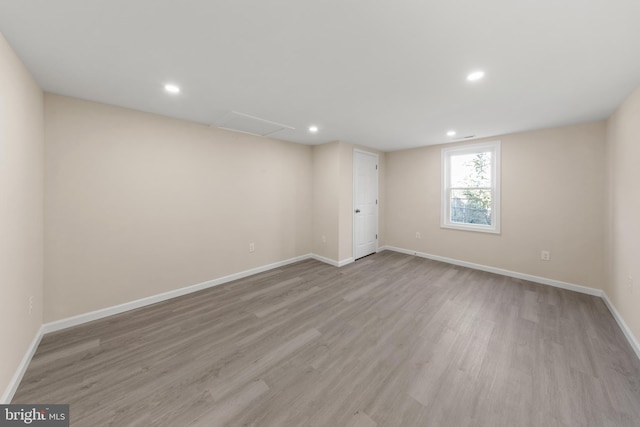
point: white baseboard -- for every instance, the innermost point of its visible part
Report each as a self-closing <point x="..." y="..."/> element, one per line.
<point x="536" y="279"/>
<point x="635" y="345"/>
<point x="633" y="341"/>
<point x="345" y="262"/>
<point x="325" y="260"/>
<point x="132" y="305"/>
<point x="22" y="368"/>
<point x="110" y="311"/>
<point x="331" y="261"/>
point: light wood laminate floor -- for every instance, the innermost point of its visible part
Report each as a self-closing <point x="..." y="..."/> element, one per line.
<point x="390" y="340"/>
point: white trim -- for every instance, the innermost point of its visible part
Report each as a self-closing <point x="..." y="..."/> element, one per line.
<point x="132" y="305"/>
<point x="332" y="261"/>
<point x="325" y="260"/>
<point x="542" y="280"/>
<point x="57" y="325"/>
<point x="353" y="198"/>
<point x="635" y="345"/>
<point x="445" y="199"/>
<point x="12" y="387"/>
<point x="345" y="262"/>
<point x="633" y="341"/>
<point x="153" y="299"/>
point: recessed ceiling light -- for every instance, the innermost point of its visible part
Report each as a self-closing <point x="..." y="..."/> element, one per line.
<point x="313" y="129"/>
<point x="171" y="88"/>
<point x="476" y="75"/>
<point x="451" y="133"/>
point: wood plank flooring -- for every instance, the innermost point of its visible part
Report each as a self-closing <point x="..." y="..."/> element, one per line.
<point x="390" y="340"/>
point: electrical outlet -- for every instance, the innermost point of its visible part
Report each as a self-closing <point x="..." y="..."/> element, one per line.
<point x="252" y="247"/>
<point x="30" y="305"/>
<point x="630" y="284"/>
<point x="324" y="239"/>
<point x="545" y="255"/>
<point x="418" y="235"/>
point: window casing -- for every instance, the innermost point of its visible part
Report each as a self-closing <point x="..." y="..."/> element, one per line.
<point x="471" y="187"/>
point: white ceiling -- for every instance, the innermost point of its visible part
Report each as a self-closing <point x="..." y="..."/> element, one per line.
<point x="381" y="73"/>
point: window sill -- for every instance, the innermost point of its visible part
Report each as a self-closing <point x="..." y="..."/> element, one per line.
<point x="471" y="227"/>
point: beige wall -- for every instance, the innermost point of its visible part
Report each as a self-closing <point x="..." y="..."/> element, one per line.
<point x="333" y="199"/>
<point x="345" y="197"/>
<point x="21" y="189"/>
<point x="138" y="204"/>
<point x="552" y="198"/>
<point x="623" y="152"/>
<point x="326" y="167"/>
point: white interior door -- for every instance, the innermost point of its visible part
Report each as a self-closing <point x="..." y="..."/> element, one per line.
<point x="365" y="203"/>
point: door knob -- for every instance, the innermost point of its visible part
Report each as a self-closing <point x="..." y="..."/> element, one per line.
<point x="357" y="210"/>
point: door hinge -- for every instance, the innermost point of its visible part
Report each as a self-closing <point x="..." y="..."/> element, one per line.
<point x="376" y="201"/>
<point x="376" y="167"/>
<point x="376" y="237"/>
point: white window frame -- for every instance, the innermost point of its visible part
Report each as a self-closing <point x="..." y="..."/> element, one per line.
<point x="445" y="216"/>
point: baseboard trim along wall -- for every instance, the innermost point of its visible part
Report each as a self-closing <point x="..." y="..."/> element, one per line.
<point x="345" y="262"/>
<point x="22" y="368"/>
<point x="536" y="279"/>
<point x="633" y="341"/>
<point x="325" y="260"/>
<point x="635" y="345"/>
<point x="132" y="305"/>
<point x="331" y="261"/>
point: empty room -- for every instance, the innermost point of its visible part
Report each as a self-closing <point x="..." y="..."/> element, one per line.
<point x="329" y="213"/>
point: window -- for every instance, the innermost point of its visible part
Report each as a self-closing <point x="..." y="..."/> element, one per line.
<point x="471" y="187"/>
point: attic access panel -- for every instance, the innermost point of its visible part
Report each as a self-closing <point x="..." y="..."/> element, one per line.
<point x="252" y="125"/>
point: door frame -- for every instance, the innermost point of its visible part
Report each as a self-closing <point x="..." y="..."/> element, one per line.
<point x="353" y="200"/>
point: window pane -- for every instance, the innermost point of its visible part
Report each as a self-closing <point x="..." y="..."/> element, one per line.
<point x="471" y="170"/>
<point x="471" y="206"/>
